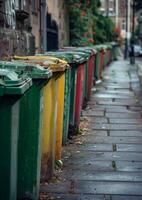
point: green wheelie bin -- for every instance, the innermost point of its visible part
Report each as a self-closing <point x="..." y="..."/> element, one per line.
<point x="115" y="48"/>
<point x="97" y="61"/>
<point x="30" y="123"/>
<point x="13" y="87"/>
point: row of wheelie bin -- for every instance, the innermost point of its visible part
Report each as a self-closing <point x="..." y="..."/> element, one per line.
<point x="41" y="98"/>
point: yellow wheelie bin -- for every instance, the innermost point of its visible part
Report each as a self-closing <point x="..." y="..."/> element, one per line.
<point x="53" y="102"/>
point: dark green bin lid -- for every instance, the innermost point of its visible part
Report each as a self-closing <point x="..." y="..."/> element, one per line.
<point x="88" y="50"/>
<point x="68" y="58"/>
<point x="84" y="56"/>
<point x="71" y="58"/>
<point x="98" y="47"/>
<point x="12" y="83"/>
<point x="32" y="70"/>
<point x="113" y="44"/>
<point x="107" y="46"/>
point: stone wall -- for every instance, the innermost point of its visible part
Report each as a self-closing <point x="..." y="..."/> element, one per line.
<point x="16" y="42"/>
<point x="19" y="27"/>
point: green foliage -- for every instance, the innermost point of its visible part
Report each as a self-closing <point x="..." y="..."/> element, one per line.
<point x="104" y="28"/>
<point x="87" y="26"/>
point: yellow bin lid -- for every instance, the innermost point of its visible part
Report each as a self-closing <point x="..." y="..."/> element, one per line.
<point x="55" y="64"/>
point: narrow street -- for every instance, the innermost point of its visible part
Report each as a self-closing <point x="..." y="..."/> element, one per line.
<point x="107" y="164"/>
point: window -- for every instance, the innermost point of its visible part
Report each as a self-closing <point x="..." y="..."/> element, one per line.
<point x="111" y="5"/>
<point x="123" y="25"/>
<point x="102" y="5"/>
<point x="34" y="6"/>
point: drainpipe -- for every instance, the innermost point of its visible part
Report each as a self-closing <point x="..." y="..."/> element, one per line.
<point x="126" y="36"/>
<point x="117" y="12"/>
<point x="132" y="56"/>
<point x="43" y="31"/>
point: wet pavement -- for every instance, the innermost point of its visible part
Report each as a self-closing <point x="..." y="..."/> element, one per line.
<point x="105" y="163"/>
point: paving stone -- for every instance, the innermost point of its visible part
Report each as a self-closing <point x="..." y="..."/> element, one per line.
<point x="120" y="197"/>
<point x="120" y="87"/>
<point x="122" y="188"/>
<point x="108" y="102"/>
<point x="64" y="187"/>
<point x="133" y="115"/>
<point x="107" y="156"/>
<point x="114" y="140"/>
<point x="116" y="92"/>
<point x="125" y="121"/>
<point x="129" y="100"/>
<point x="75" y="197"/>
<point x="129" y="147"/>
<point x="94" y="133"/>
<point x="91" y="147"/>
<point x="97" y="99"/>
<point x="103" y="176"/>
<point x="111" y="96"/>
<point x="117" y="127"/>
<point x="126" y="133"/>
<point x="95" y="187"/>
<point x="135" y="108"/>
<point x="117" y="110"/>
<point x="93" y="113"/>
<point x="98" y="120"/>
<point x="129" y="166"/>
<point x="117" y="86"/>
<point x="95" y="109"/>
<point x="89" y="165"/>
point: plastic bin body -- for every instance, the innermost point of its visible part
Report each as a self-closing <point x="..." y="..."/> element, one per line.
<point x="85" y="85"/>
<point x="110" y="56"/>
<point x="67" y="94"/>
<point x="102" y="58"/>
<point x="79" y="93"/>
<point x="9" y="107"/>
<point x="49" y="129"/>
<point x="97" y="65"/>
<point x="115" y="52"/>
<point x="10" y="101"/>
<point x="90" y="75"/>
<point x="60" y="114"/>
<point x="29" y="158"/>
<point x="105" y="58"/>
<point x="73" y="95"/>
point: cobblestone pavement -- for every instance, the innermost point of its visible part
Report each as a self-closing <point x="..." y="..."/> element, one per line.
<point x="106" y="162"/>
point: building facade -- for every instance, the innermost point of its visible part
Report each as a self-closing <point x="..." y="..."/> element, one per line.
<point x="57" y="24"/>
<point x="29" y="26"/>
<point x="16" y="24"/>
<point x="120" y="12"/>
